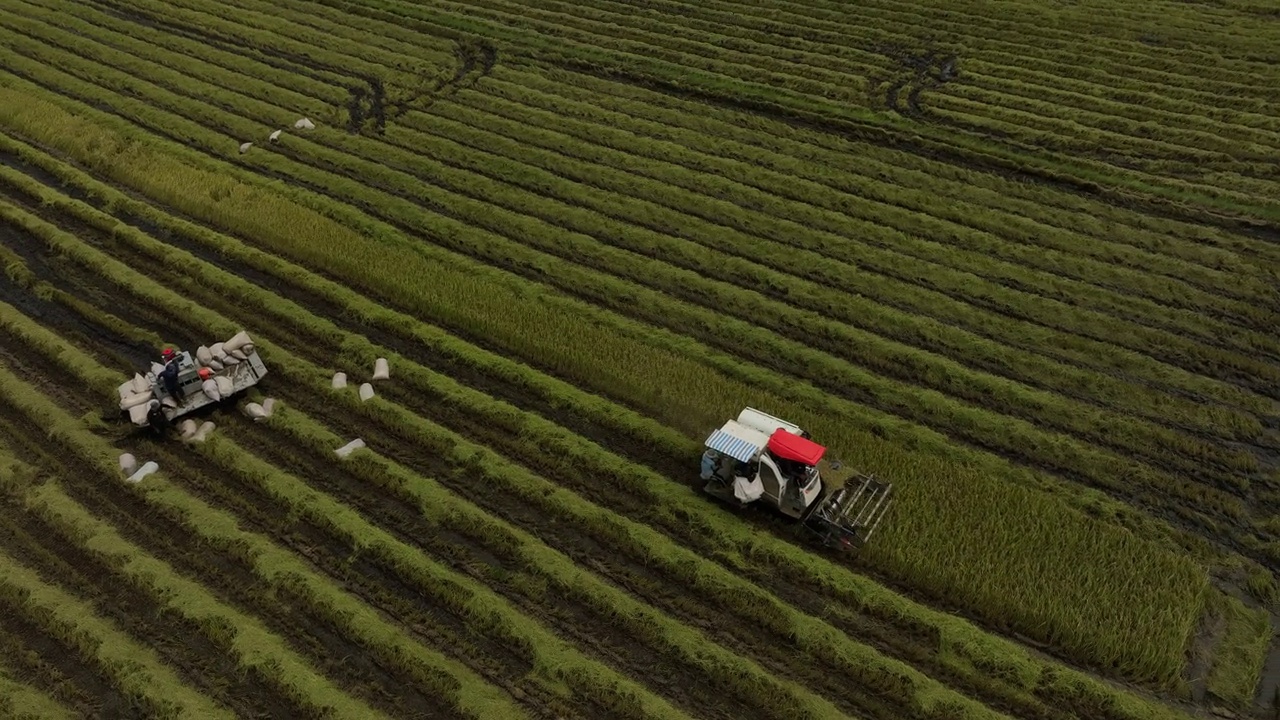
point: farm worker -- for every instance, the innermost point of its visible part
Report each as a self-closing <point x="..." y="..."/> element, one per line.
<point x="170" y="374"/>
<point x="709" y="463"/>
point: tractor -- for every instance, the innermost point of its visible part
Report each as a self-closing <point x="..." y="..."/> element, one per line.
<point x="759" y="457"/>
<point x="213" y="374"/>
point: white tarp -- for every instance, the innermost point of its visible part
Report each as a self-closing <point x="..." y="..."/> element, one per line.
<point x="747" y="490"/>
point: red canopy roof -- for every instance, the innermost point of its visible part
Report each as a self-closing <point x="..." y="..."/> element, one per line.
<point x="793" y="447"/>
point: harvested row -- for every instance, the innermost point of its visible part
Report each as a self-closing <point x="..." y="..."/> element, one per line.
<point x="1127" y="335"/>
<point x="398" y="674"/>
<point x="268" y="660"/>
<point x="785" y="143"/>
<point x="280" y="569"/>
<point x="143" y="686"/>
<point x="778" y="93"/>
<point x="230" y="468"/>
<point x="839" y="374"/>
<point x="1097" y="466"/>
<point x="950" y="541"/>
<point x="183" y="264"/>
<point x="987" y="68"/>
<point x="202" y="657"/>
<point x="437" y="502"/>
<point x="838" y="69"/>
<point x="21" y="701"/>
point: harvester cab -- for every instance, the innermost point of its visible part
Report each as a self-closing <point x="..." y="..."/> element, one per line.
<point x="211" y="375"/>
<point x="759" y="457"/>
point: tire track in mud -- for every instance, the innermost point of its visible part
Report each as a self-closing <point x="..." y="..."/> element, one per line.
<point x="913" y="645"/>
<point x="224" y="573"/>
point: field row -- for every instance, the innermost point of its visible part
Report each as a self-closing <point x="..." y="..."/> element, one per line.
<point x="286" y="314"/>
<point x="231" y="21"/>
<point x="844" y="64"/>
<point x="1072" y="464"/>
<point x="246" y="26"/>
<point x="179" y="264"/>
<point x="299" y="433"/>
<point x="821" y="103"/>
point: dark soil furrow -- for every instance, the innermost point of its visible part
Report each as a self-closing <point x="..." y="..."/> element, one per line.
<point x="202" y="660"/>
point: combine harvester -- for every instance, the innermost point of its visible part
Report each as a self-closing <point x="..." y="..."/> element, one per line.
<point x="759" y="456"/>
<point x="214" y="374"/>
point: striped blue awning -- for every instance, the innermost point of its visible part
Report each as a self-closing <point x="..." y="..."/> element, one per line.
<point x="733" y="446"/>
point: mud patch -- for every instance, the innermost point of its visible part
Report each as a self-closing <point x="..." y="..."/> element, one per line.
<point x="917" y="70"/>
<point x="371" y="105"/>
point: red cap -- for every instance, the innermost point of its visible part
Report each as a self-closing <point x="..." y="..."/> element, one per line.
<point x="168" y="352"/>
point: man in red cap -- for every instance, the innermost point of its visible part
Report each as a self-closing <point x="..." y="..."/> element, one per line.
<point x="169" y="376"/>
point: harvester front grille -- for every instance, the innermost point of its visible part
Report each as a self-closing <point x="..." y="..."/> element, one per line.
<point x="852" y="513"/>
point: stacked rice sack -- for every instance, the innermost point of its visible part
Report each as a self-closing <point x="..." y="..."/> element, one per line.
<point x="220" y="356"/>
<point x="136" y="396"/>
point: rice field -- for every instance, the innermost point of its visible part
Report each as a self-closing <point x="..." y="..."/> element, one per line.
<point x="1020" y="259"/>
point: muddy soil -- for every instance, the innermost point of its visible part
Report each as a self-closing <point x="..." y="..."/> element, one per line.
<point x="181" y="643"/>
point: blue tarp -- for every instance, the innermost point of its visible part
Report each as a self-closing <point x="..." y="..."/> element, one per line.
<point x="735" y="447"/>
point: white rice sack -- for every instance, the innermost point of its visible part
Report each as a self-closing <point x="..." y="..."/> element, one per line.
<point x="269" y="406"/>
<point x="349" y="448"/>
<point x="135" y="399"/>
<point x="138" y="414"/>
<point x="205" y="428"/>
<point x="126" y="389"/>
<point x="238" y="355"/>
<point x="169" y="402"/>
<point x="255" y="411"/>
<point x="366" y="391"/>
<point x="140" y="383"/>
<point x="238" y="341"/>
<point x="143" y="471"/>
<point x="228" y="360"/>
<point x="380" y="369"/>
<point x="216" y="365"/>
<point x="225" y="385"/>
<point x="128" y="463"/>
<point x="248" y="348"/>
<point x="339" y="380"/>
<point x="210" y="388"/>
<point x="156" y="369"/>
<point x="188" y="428"/>
<point x="219" y="352"/>
<point x="203" y="355"/>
